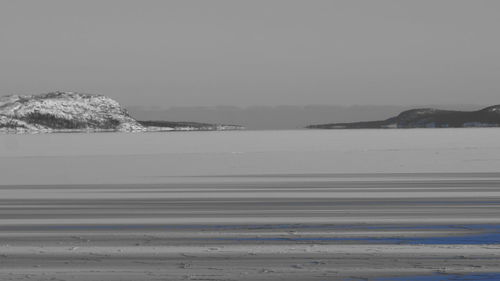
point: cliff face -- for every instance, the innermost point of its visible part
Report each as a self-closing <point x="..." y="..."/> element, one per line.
<point x="427" y="118"/>
<point x="64" y="111"/>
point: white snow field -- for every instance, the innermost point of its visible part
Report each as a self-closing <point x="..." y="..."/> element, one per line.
<point x="251" y="205"/>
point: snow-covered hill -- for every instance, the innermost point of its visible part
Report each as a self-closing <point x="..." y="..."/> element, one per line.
<point x="70" y="111"/>
<point x="64" y="111"/>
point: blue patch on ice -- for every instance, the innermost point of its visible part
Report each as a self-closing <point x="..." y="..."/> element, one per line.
<point x="488" y="234"/>
<point x="482" y="233"/>
<point x="445" y="277"/>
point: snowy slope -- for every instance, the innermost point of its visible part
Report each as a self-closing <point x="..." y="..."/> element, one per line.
<point x="64" y="111"/>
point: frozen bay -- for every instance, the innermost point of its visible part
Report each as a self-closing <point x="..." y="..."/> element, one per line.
<point x="253" y="205"/>
<point x="180" y="156"/>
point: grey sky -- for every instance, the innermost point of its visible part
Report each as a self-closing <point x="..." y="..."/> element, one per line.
<point x="259" y="52"/>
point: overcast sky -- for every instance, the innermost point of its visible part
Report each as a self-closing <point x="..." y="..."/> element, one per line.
<point x="254" y="52"/>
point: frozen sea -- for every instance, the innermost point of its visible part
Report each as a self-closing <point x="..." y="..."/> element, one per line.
<point x="169" y="157"/>
<point x="409" y="204"/>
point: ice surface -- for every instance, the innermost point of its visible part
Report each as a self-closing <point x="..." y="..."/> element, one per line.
<point x="250" y="205"/>
<point x="76" y="158"/>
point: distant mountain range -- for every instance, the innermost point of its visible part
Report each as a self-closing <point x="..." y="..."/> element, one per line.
<point x="427" y="118"/>
<point x="69" y="111"/>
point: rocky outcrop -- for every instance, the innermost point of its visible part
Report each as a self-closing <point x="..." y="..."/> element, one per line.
<point x="64" y="111"/>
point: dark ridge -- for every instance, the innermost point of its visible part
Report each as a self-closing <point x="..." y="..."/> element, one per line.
<point x="182" y="125"/>
<point x="171" y="124"/>
<point x="427" y="118"/>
